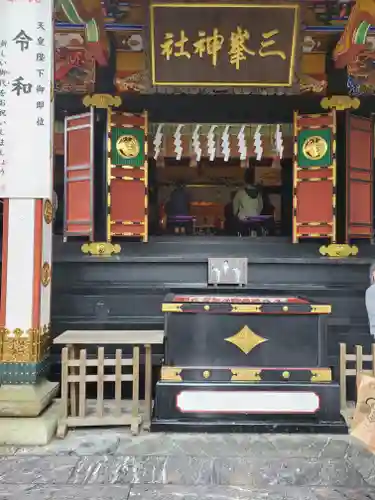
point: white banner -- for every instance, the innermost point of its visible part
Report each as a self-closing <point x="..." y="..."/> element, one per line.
<point x="26" y="98"/>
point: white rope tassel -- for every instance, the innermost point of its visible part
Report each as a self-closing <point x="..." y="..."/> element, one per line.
<point x="258" y="143"/>
<point x="197" y="143"/>
<point x="279" y="141"/>
<point x="158" y="140"/>
<point x="225" y="144"/>
<point x="178" y="142"/>
<point x="242" y="148"/>
<point x="211" y="146"/>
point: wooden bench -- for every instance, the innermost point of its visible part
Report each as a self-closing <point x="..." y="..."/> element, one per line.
<point x="74" y="377"/>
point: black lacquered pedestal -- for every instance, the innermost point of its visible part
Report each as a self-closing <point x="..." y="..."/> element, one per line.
<point x="246" y="363"/>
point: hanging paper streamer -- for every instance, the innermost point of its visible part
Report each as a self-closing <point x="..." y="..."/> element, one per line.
<point x="279" y="141"/>
<point x="258" y="143"/>
<point x="225" y="144"/>
<point x="242" y="148"/>
<point x="197" y="143"/>
<point x="211" y="145"/>
<point x="158" y="139"/>
<point x="178" y="142"/>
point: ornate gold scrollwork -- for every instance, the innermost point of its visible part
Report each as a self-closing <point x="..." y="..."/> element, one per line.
<point x="340" y="102"/>
<point x="46" y="274"/>
<point x="338" y="251"/>
<point x="48" y="211"/>
<point x="24" y="346"/>
<point x="102" y="101"/>
<point x="100" y="249"/>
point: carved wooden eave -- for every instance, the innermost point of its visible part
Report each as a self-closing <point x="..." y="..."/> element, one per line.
<point x="352" y="42"/>
<point x="90" y="13"/>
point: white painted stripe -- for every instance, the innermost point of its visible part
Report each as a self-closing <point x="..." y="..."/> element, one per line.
<point x="266" y="402"/>
<point x="45" y="295"/>
<point x="20" y="271"/>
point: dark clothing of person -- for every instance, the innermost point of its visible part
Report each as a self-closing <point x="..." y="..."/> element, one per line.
<point x="229" y="219"/>
<point x="179" y="203"/>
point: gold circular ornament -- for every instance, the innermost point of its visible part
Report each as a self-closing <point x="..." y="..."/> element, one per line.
<point x="286" y="375"/>
<point x="285" y="308"/>
<point x="128" y="146"/>
<point x="48" y="211"/>
<point x="206" y="374"/>
<point x="206" y="308"/>
<point x="46" y="274"/>
<point x="314" y="148"/>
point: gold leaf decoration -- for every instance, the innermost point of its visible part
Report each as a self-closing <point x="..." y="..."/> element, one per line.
<point x="100" y="249"/>
<point x="338" y="251"/>
<point x="340" y="102"/>
<point x="24" y="346"/>
<point x="246" y="340"/>
<point x="102" y="101"/>
<point x="48" y="211"/>
<point x="46" y="274"/>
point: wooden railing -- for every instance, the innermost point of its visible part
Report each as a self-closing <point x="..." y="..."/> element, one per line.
<point x="357" y="360"/>
<point x="77" y="370"/>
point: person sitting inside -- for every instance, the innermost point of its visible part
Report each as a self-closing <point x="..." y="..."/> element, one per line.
<point x="178" y="207"/>
<point x="248" y="202"/>
<point x="229" y="218"/>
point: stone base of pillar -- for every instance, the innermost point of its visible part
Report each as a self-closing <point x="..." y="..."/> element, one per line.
<point x="26" y="400"/>
<point x="37" y="431"/>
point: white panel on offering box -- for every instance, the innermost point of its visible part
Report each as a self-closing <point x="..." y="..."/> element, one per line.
<point x="26" y="114"/>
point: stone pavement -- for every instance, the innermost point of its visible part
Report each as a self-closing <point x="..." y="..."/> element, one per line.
<point x="112" y="465"/>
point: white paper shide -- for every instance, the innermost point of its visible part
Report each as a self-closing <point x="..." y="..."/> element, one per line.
<point x="26" y="114"/>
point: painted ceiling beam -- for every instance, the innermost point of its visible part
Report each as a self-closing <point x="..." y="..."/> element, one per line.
<point x="140" y="27"/>
<point x="90" y="15"/>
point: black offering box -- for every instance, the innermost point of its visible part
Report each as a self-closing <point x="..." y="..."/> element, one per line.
<point x="246" y="363"/>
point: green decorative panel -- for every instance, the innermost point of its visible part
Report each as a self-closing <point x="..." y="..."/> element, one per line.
<point x="314" y="148"/>
<point x="23" y="373"/>
<point x="128" y="146"/>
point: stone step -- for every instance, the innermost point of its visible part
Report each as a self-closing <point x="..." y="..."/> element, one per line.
<point x="249" y="462"/>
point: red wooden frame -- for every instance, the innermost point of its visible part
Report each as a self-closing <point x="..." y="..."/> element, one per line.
<point x="314" y="188"/>
<point x="127" y="186"/>
<point x="79" y="176"/>
<point x="359" y="177"/>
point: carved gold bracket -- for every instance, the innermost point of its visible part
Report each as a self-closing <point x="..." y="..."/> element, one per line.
<point x="321" y="375"/>
<point x="171" y="374"/>
<point x="102" y="101"/>
<point x="100" y="249"/>
<point x="338" y="251"/>
<point x="340" y="102"/>
<point x="246" y="375"/>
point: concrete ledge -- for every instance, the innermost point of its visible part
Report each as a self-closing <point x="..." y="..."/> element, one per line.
<point x="30" y="431"/>
<point x="26" y="400"/>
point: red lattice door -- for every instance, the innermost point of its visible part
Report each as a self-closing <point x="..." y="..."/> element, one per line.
<point x="79" y="175"/>
<point x="359" y="177"/>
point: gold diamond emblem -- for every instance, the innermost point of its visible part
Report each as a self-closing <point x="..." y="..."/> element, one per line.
<point x="246" y="339"/>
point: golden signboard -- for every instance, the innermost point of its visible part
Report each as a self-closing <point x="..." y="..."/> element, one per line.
<point x="223" y="45"/>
